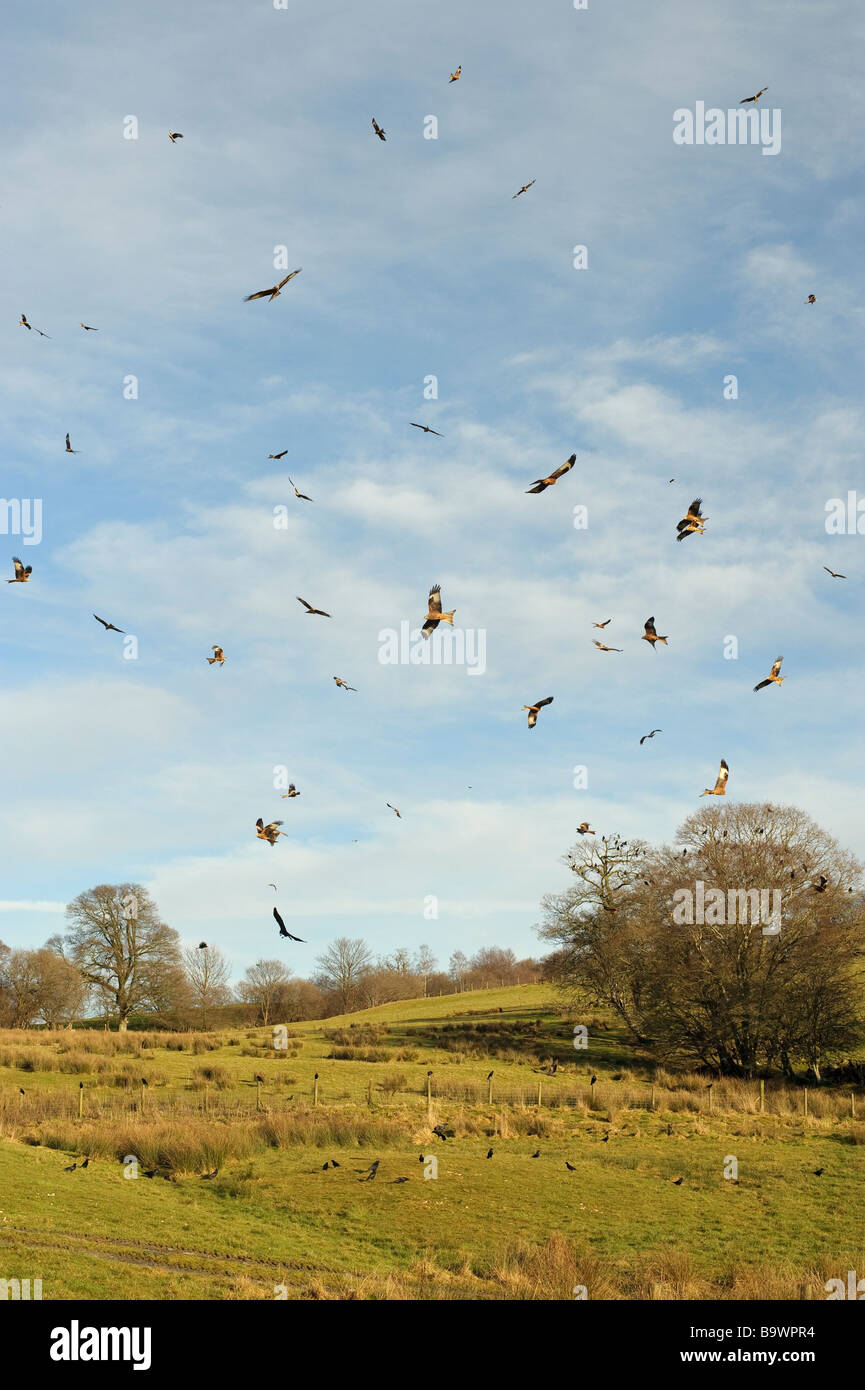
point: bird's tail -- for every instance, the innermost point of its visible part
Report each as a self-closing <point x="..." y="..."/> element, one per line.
<point x="449" y="617"/>
<point x="210" y="660"/>
<point x="781" y="679"/>
<point x="663" y="639"/>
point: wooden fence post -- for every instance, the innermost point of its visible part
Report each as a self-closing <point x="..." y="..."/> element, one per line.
<point x="258" y="1095"/>
<point x="806" y="1102"/>
<point x="315" y="1089"/>
<point x="539" y="1094"/>
<point x="80" y="1101"/>
<point x="490" y="1095"/>
<point x="369" y="1094"/>
<point x="852" y="1106"/>
<point x="652" y="1106"/>
<point x="762" y="1096"/>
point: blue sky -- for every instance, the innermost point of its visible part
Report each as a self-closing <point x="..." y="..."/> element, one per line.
<point x="417" y="261"/>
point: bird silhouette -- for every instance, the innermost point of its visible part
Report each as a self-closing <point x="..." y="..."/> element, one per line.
<point x="283" y="930"/>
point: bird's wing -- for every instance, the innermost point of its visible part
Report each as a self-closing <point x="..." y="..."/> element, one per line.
<point x="565" y="467"/>
<point x="307" y="606"/>
<point x="278" y="919"/>
<point x="539" y="704"/>
<point x="761" y="684"/>
<point x="435" y="599"/>
<point x="19" y="568"/>
<point x="723" y="774"/>
<point x="776" y="665"/>
<point x="260" y="294"/>
<point x="650" y="626"/>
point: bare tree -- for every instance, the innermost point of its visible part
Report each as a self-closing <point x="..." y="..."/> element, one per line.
<point x="207" y="976"/>
<point x="458" y="967"/>
<point x="424" y="964"/>
<point x="342" y="969"/>
<point x="262" y="986"/>
<point x="122" y="948"/>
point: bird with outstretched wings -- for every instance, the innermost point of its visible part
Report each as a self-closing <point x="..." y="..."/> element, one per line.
<point x="541" y="484"/>
<point x="720" y="787"/>
<point x="274" y="290"/>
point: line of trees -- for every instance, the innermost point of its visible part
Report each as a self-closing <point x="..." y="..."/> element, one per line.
<point x="765" y="973"/>
<point x="120" y="962"/>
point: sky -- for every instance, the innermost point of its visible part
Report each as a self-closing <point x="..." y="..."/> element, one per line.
<point x="418" y="263"/>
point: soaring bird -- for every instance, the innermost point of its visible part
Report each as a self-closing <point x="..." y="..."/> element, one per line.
<point x="434" y="612"/>
<point x="274" y="290"/>
<point x="756" y="97"/>
<point x="283" y="930"/>
<point x="773" y="678"/>
<point x="378" y="130"/>
<point x="109" y="627"/>
<point x="174" y="135"/>
<point x="812" y="299"/>
<point x="650" y="635"/>
<point x="541" y="484"/>
<point x="302" y="495"/>
<point x="218" y="656"/>
<point x="292" y="791"/>
<point x="525" y="188"/>
<point x="693" y="521"/>
<point x="605" y="623"/>
<point x="21" y="574"/>
<point x="278" y="456"/>
<point x="69" y="448"/>
<point x="535" y="709"/>
<point x="270" y="832"/>
<point x="309" y="608"/>
<point x="720" y="787"/>
<point x="393" y="808"/>
<point x="583" y="828"/>
<point x="601" y="648"/>
<point x="24" y="324"/>
<point x="833" y="573"/>
<point x="455" y="76"/>
<point x="87" y="328"/>
<point x="651" y="735"/>
<point x="427" y="429"/>
<point x="341" y="685"/>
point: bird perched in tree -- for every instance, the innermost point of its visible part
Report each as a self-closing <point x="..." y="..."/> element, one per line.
<point x="69" y="448"/>
<point x="605" y="623"/>
<point x="24" y="324"/>
<point x="720" y="787"/>
<point x="601" y="648"/>
<point x="773" y="677"/>
<point x="541" y="484"/>
<point x="22" y="575"/>
<point x="525" y="188"/>
<point x="378" y="130"/>
<point x="274" y="290"/>
<point x="427" y="429"/>
<point x="693" y="522"/>
<point x="812" y="299"/>
<point x="291" y="793"/>
<point x="341" y="684"/>
<point x="393" y="808"/>
<point x="535" y="709"/>
<point x="650" y="635"/>
<point x="283" y="930"/>
<point x="310" y="610"/>
<point x="302" y="495"/>
<point x="583" y="828"/>
<point x="455" y="76"/>
<point x="270" y="832"/>
<point x="87" y="328"/>
<point x="821" y="886"/>
<point x="756" y="97"/>
<point x="109" y="627"/>
<point x="278" y="456"/>
<point x="218" y="657"/>
<point x="202" y="945"/>
<point x="434" y="612"/>
<point x="651" y="735"/>
<point x="174" y="135"/>
<point x="833" y="573"/>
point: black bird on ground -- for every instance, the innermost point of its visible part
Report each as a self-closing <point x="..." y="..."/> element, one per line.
<point x="536" y="1154"/>
<point x="148" y="1172"/>
<point x="440" y="1131"/>
<point x="373" y="1169"/>
<point x="818" y="1172"/>
<point x="677" y="1182"/>
<point x="259" y="1078"/>
<point x="283" y="931"/>
<point x="570" y="1167"/>
<point x="72" y="1169"/>
<point x="86" y="1162"/>
<point x="400" y="1179"/>
<point x="205" y="1177"/>
<point x="489" y="1153"/>
<point x="144" y="1081"/>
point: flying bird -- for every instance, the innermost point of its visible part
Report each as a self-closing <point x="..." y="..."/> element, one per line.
<point x="650" y="635"/>
<point x="812" y="299"/>
<point x="756" y="97"/>
<point x="393" y="808"/>
<point x="773" y="678"/>
<point x="536" y="708"/>
<point x="601" y="648"/>
<point x="302" y="495"/>
<point x="24" y="324"/>
<point x="174" y="135"/>
<point x="434" y="612"/>
<point x="427" y="429"/>
<point x="218" y="656"/>
<point x="88" y="329"/>
<point x="833" y="574"/>
<point x="274" y="290"/>
<point x="720" y="787"/>
<point x="693" y="521"/>
<point x="278" y="456"/>
<point x="541" y="484"/>
<point x="292" y="791"/>
<point x="309" y="608"/>
<point x="525" y="188"/>
<point x="455" y="76"/>
<point x="378" y="130"/>
<point x="21" y="574"/>
<point x="651" y="735"/>
<point x="69" y="448"/>
<point x="605" y="623"/>
<point x="341" y="685"/>
<point x="270" y="832"/>
<point x="109" y="627"/>
<point x="583" y="828"/>
<point x="283" y="930"/>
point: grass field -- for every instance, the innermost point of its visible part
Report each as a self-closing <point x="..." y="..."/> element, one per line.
<point x="510" y="1227"/>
